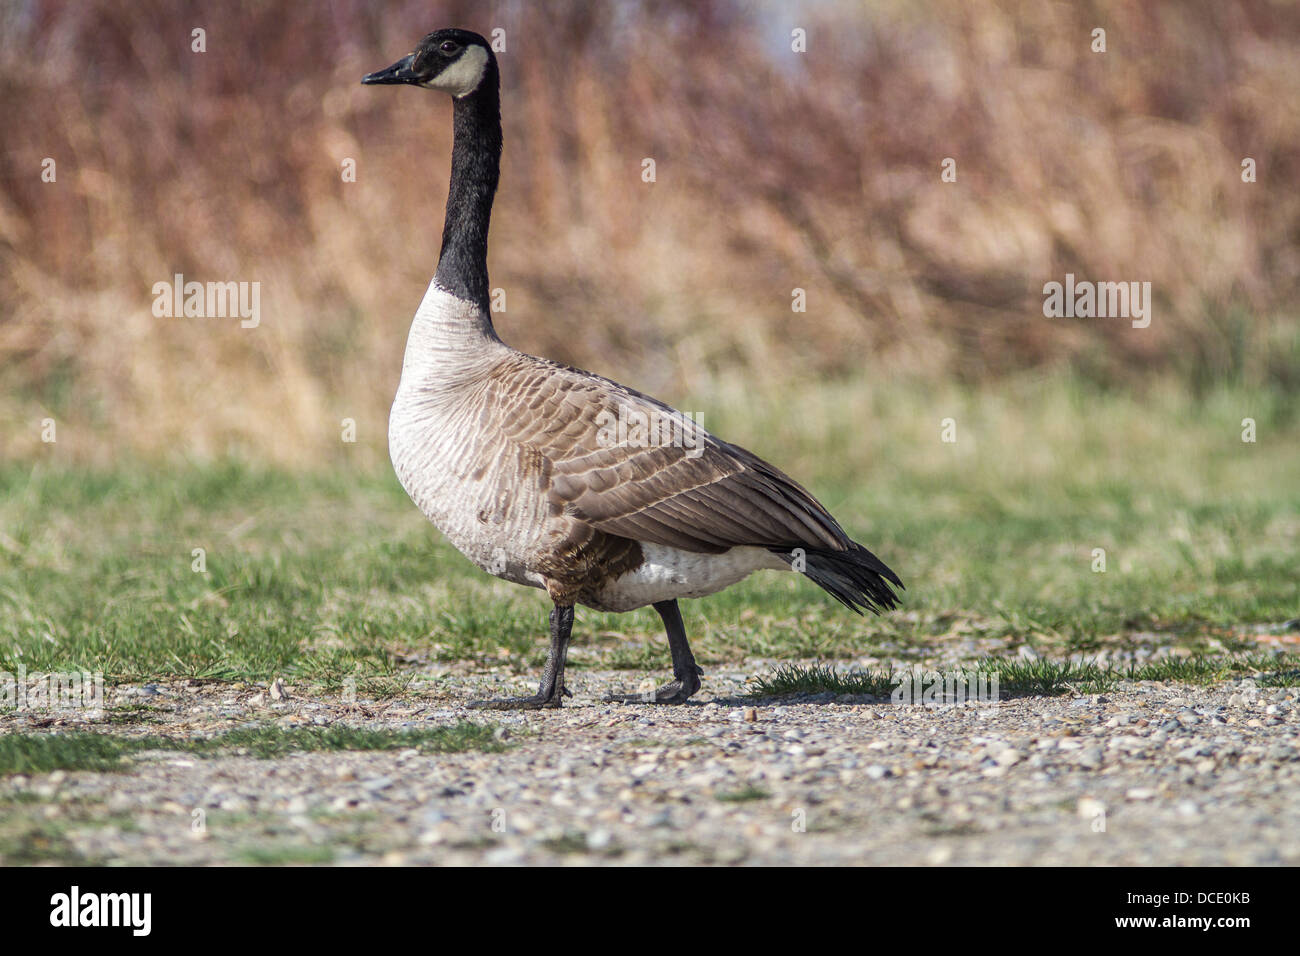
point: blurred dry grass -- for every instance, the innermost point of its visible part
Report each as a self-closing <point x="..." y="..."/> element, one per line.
<point x="774" y="170"/>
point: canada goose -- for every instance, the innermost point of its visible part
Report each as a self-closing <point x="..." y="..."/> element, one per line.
<point x="518" y="461"/>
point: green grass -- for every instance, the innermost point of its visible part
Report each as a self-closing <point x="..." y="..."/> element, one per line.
<point x="1018" y="678"/>
<point x="286" y="854"/>
<point x="334" y="577"/>
<point x="821" y="679"/>
<point x="36" y="830"/>
<point x="41" y="753"/>
<point x="26" y="840"/>
<point x="267" y="742"/>
<point x="744" y="795"/>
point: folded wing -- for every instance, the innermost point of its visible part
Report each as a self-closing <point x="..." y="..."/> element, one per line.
<point x="631" y="466"/>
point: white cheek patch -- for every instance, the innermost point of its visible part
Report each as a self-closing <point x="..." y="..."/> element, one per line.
<point x="463" y="76"/>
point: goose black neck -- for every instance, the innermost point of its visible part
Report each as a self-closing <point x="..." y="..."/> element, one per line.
<point x="475" y="169"/>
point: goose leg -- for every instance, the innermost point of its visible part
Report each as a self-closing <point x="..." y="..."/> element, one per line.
<point x="551" y="691"/>
<point x="686" y="673"/>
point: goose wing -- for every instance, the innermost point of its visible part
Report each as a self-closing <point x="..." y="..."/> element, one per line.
<point x="631" y="466"/>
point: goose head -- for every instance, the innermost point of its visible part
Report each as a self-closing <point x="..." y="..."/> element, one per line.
<point x="453" y="61"/>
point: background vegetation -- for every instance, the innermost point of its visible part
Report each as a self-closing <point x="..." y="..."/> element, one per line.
<point x="334" y="574"/>
<point x="775" y="171"/>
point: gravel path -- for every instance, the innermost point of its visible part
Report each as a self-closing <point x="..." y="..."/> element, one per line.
<point x="1148" y="774"/>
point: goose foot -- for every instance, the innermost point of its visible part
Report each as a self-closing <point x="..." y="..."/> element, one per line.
<point x="676" y="691"/>
<point x="686" y="673"/>
<point x="551" y="691"/>
<point x="534" y="702"/>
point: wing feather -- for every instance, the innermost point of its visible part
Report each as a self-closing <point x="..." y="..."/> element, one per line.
<point x="705" y="495"/>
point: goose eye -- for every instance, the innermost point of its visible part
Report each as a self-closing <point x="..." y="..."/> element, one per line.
<point x="449" y="46"/>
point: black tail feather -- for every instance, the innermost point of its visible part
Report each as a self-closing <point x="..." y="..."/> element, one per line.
<point x="856" y="578"/>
